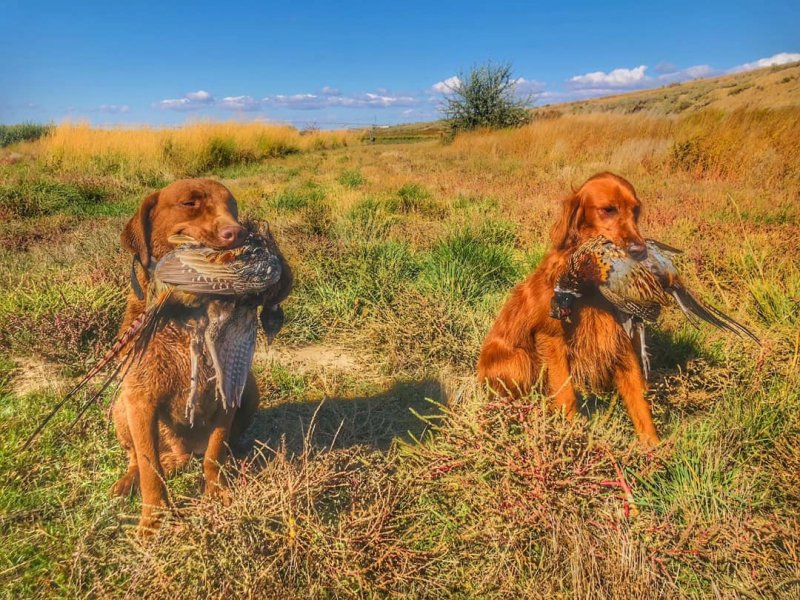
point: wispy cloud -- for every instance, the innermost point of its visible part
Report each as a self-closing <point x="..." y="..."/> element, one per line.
<point x="781" y="58"/>
<point x="114" y="109"/>
<point x="243" y="103"/>
<point x="323" y="100"/>
<point x="191" y="101"/>
<point x="327" y="97"/>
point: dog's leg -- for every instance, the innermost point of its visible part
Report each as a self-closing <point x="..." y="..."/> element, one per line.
<point x="143" y="423"/>
<point x="631" y="387"/>
<point x="506" y="369"/>
<point x="216" y="454"/>
<point x="125" y="484"/>
<point x="558" y="378"/>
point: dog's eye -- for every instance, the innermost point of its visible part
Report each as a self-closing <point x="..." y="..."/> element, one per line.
<point x="190" y="203"/>
<point x="609" y="210"/>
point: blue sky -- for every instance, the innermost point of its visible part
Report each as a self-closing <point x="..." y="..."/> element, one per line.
<point x="327" y="63"/>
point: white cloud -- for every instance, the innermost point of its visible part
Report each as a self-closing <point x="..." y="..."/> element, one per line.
<point x="781" y="58"/>
<point x="446" y="85"/>
<point x="618" y="78"/>
<point x="330" y="91"/>
<point x="698" y="71"/>
<point x="245" y="103"/>
<point x="528" y="87"/>
<point x="200" y="96"/>
<point x="114" y="109"/>
<point x="191" y="101"/>
<point x="665" y="68"/>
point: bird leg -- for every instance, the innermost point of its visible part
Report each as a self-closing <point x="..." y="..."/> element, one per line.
<point x="217" y="317"/>
<point x="638" y="327"/>
<point x="197" y="334"/>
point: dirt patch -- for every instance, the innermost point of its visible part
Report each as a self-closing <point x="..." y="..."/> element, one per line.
<point x="32" y="375"/>
<point x="311" y="358"/>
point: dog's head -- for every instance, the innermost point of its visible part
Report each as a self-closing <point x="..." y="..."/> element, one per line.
<point x="201" y="208"/>
<point x="605" y="205"/>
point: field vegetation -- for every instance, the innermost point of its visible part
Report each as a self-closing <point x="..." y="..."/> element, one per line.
<point x="379" y="469"/>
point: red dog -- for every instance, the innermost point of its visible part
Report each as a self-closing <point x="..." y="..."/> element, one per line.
<point x="149" y="415"/>
<point x="594" y="353"/>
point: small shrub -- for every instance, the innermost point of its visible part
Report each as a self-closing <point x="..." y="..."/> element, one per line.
<point x="485" y="97"/>
<point x="688" y="155"/>
<point x="739" y="89"/>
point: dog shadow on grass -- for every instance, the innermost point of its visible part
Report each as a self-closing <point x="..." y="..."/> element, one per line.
<point x="372" y="421"/>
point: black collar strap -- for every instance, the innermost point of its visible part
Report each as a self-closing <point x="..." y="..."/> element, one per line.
<point x="137" y="289"/>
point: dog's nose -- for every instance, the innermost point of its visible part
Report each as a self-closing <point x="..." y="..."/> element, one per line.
<point x="231" y="235"/>
<point x="637" y="251"/>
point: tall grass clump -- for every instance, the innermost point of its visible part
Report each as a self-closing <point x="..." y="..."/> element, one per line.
<point x="468" y="265"/>
<point x="22" y="132"/>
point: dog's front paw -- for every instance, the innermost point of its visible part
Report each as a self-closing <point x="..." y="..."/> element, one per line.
<point x="218" y="493"/>
<point x="124" y="486"/>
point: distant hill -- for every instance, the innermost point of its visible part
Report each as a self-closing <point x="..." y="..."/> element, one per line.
<point x="772" y="87"/>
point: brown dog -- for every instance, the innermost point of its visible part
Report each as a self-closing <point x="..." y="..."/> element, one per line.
<point x="594" y="353"/>
<point x="149" y="415"/>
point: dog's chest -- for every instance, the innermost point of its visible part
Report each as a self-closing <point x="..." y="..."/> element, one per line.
<point x="595" y="343"/>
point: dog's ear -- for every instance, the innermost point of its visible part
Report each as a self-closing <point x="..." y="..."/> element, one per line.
<point x="136" y="234"/>
<point x="565" y="232"/>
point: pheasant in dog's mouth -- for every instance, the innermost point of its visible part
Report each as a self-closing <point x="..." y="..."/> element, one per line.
<point x="218" y="292"/>
<point x="225" y="285"/>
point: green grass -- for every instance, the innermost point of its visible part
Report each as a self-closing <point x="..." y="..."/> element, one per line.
<point x="22" y="132"/>
<point x="382" y="471"/>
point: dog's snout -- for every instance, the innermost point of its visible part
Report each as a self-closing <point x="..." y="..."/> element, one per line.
<point x="232" y="235"/>
<point x="637" y="250"/>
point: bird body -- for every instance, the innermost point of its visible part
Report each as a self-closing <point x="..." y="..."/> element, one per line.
<point x="637" y="289"/>
<point x="226" y="285"/>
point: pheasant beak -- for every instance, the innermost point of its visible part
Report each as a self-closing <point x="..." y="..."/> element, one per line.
<point x="637" y="251"/>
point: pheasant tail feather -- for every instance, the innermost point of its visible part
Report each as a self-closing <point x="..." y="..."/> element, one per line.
<point x="694" y="309"/>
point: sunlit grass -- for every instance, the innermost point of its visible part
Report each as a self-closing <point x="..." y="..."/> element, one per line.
<point x="403" y="255"/>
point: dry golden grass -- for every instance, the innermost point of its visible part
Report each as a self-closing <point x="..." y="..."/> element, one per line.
<point x="185" y="150"/>
<point x="753" y="146"/>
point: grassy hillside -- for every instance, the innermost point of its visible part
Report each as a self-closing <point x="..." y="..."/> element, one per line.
<point x="379" y="469"/>
<point x="773" y="87"/>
